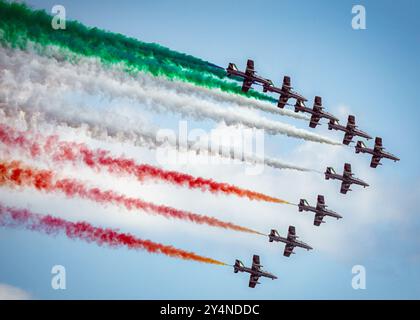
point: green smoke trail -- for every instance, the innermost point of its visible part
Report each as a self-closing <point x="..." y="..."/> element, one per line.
<point x="18" y="24"/>
<point x="43" y="20"/>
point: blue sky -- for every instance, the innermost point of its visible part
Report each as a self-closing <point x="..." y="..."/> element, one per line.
<point x="371" y="73"/>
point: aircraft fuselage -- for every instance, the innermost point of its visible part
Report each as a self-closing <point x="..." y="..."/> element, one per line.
<point x="258" y="273"/>
<point x="249" y="77"/>
<point x="285" y="92"/>
<point x="294" y="243"/>
<point x="348" y="129"/>
<point x="381" y="154"/>
<point x="349" y="180"/>
<point x="324" y="212"/>
<point x="321" y="114"/>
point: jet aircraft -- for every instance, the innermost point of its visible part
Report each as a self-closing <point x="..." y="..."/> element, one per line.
<point x="320" y="210"/>
<point x="350" y="130"/>
<point x="290" y="241"/>
<point x="347" y="178"/>
<point x="377" y="152"/>
<point x="285" y="92"/>
<point x="249" y="76"/>
<point x="255" y="271"/>
<point x="316" y="112"/>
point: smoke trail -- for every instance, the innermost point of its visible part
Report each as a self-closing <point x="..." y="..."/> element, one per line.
<point x="242" y="102"/>
<point x="25" y="18"/>
<point x="117" y="73"/>
<point x="36" y="145"/>
<point x="13" y="174"/>
<point x="15" y="218"/>
<point x="22" y="68"/>
<point x="112" y="127"/>
<point x="19" y="24"/>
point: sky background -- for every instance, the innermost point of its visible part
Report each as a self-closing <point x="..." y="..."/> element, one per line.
<point x="370" y="73"/>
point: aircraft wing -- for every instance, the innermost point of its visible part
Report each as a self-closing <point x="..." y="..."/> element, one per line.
<point x="283" y="100"/>
<point x="320" y="203"/>
<point x="375" y="161"/>
<point x="347" y="170"/>
<point x="250" y="67"/>
<point x="253" y="280"/>
<point x="288" y="249"/>
<point x="351" y="121"/>
<point x="291" y="235"/>
<point x="347" y="138"/>
<point x="314" y="121"/>
<point x="317" y="108"/>
<point x="246" y="85"/>
<point x="318" y="219"/>
<point x="345" y="186"/>
<point x="256" y="262"/>
<point x="378" y="144"/>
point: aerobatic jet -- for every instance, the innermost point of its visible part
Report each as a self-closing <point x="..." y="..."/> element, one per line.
<point x="347" y="178"/>
<point x="317" y="111"/>
<point x="250" y="76"/>
<point x="285" y="92"/>
<point x="290" y="241"/>
<point x="377" y="152"/>
<point x="255" y="271"/>
<point x="350" y="130"/>
<point x="320" y="210"/>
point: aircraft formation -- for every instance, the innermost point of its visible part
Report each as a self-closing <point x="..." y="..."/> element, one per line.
<point x="249" y="77"/>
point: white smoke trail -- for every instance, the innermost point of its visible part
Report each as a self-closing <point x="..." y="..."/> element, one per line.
<point x="113" y="128"/>
<point x="157" y="94"/>
<point x="119" y="72"/>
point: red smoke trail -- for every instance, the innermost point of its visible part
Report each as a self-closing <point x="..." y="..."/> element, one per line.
<point x="13" y="174"/>
<point x="61" y="151"/>
<point x="10" y="217"/>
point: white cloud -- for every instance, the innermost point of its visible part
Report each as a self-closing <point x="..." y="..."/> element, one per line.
<point x="8" y="292"/>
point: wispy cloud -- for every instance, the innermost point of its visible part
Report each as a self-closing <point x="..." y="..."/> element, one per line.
<point x="8" y="292"/>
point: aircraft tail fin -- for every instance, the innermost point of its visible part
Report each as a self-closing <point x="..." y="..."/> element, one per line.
<point x="273" y="233"/>
<point x="236" y="266"/>
<point x="359" y="146"/>
<point x="298" y="105"/>
<point x="329" y="170"/>
<point x="301" y="204"/>
<point x="232" y="66"/>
